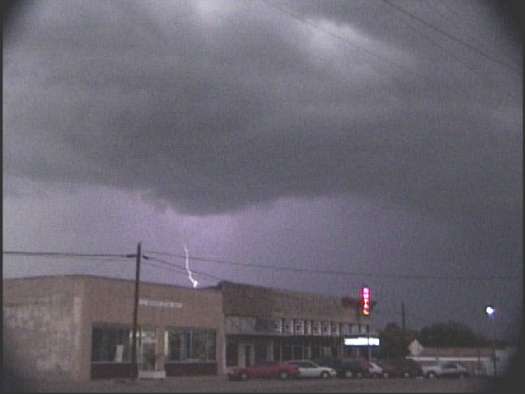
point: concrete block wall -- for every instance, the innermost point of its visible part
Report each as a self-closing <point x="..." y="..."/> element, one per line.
<point x="42" y="329"/>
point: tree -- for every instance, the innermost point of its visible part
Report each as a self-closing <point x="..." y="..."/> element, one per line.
<point x="394" y="343"/>
<point x="450" y="334"/>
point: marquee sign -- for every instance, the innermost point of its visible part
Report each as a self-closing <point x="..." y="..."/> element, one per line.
<point x="362" y="341"/>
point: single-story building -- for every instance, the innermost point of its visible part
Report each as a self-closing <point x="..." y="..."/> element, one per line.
<point x="478" y="360"/>
<point x="263" y="324"/>
<point x="79" y="327"/>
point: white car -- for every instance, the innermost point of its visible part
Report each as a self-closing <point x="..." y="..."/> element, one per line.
<point x="375" y="371"/>
<point x="446" y="369"/>
<point x="309" y="369"/>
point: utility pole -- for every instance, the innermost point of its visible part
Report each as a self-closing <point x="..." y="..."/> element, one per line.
<point x="135" y="314"/>
<point x="403" y="318"/>
<point x="403" y="326"/>
<point x="494" y="356"/>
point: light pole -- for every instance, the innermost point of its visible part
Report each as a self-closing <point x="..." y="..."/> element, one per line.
<point x="490" y="311"/>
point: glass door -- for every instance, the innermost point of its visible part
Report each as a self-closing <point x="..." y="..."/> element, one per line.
<point x="147" y="349"/>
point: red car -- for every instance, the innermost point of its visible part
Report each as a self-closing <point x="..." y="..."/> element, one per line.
<point x="267" y="369"/>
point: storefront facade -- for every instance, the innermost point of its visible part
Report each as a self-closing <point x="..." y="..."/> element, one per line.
<point x="263" y="324"/>
<point x="79" y="327"/>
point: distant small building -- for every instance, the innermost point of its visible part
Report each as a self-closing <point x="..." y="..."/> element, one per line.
<point x="478" y="360"/>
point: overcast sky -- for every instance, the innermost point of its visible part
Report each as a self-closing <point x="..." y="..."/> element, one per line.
<point x="334" y="135"/>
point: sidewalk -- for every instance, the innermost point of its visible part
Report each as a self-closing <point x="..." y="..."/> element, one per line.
<point x="169" y="384"/>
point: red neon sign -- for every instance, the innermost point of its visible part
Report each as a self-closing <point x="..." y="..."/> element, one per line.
<point x="366" y="300"/>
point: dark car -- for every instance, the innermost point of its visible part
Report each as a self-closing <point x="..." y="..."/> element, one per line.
<point x="401" y="368"/>
<point x="266" y="370"/>
<point x="347" y="368"/>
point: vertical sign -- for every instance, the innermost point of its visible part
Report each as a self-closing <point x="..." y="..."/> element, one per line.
<point x="366" y="299"/>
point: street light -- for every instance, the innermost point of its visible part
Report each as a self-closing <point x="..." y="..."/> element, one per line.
<point x="490" y="311"/>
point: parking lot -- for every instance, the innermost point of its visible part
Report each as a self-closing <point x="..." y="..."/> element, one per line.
<point x="221" y="384"/>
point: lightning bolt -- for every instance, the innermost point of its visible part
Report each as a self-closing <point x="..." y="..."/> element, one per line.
<point x="193" y="281"/>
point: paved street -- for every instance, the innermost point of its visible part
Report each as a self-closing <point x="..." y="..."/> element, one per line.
<point x="220" y="384"/>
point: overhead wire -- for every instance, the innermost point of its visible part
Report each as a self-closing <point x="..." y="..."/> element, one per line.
<point x="316" y="26"/>
<point x="116" y="257"/>
<point x="451" y="36"/>
<point x="182" y="269"/>
<point x="455" y="87"/>
<point x="432" y="6"/>
<point x="63" y="254"/>
<point x="335" y="272"/>
<point x="451" y="53"/>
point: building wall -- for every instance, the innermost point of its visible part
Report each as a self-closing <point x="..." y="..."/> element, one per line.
<point x="255" y="314"/>
<point x="48" y="321"/>
<point x="112" y="301"/>
<point x="243" y="300"/>
<point x="42" y="323"/>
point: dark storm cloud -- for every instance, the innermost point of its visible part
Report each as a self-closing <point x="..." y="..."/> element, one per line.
<point x="213" y="107"/>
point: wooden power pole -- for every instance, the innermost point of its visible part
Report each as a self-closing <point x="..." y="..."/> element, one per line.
<point x="403" y="318"/>
<point x="135" y="314"/>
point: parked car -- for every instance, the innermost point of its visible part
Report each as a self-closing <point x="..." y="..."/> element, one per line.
<point x="267" y="370"/>
<point x="309" y="369"/>
<point x="402" y="368"/>
<point x="376" y="371"/>
<point x="448" y="369"/>
<point x="347" y="368"/>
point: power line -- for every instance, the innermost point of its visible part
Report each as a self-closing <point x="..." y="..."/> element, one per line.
<point x="335" y="272"/>
<point x="257" y="266"/>
<point x="64" y="254"/>
<point x="172" y="269"/>
<point x="450" y="36"/>
<point x="434" y="8"/>
<point x="455" y="87"/>
<point x="175" y="266"/>
<point x="452" y="54"/>
<point x="338" y="37"/>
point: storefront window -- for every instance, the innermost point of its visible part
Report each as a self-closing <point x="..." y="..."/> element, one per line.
<point x="191" y="344"/>
<point x="298" y="352"/>
<point x="260" y="351"/>
<point x="277" y="350"/>
<point x="232" y="358"/>
<point x="316" y="351"/>
<point x="111" y="344"/>
<point x="287" y="352"/>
